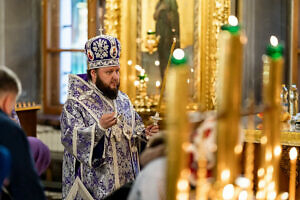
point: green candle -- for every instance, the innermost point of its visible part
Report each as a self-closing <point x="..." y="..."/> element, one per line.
<point x="178" y="58"/>
<point x="233" y="27"/>
<point x="274" y="49"/>
<point x="150" y="32"/>
<point x="142" y="77"/>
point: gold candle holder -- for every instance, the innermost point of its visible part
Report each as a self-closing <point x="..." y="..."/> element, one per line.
<point x="272" y="77"/>
<point x="228" y="103"/>
<point x="177" y="128"/>
<point x="293" y="166"/>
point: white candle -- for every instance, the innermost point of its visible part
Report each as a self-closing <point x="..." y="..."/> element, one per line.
<point x="293" y="162"/>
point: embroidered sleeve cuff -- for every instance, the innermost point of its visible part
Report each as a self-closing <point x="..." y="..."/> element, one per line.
<point x="103" y="129"/>
<point x="100" y="132"/>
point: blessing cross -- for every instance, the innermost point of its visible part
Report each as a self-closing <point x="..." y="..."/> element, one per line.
<point x="100" y="30"/>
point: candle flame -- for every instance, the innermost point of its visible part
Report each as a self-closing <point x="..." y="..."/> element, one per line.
<point x="228" y="191"/>
<point x="261" y="184"/>
<point x="264" y="140"/>
<point x="271" y="195"/>
<point x="138" y="68"/>
<point x="277" y="151"/>
<point x="157" y="63"/>
<point x="268" y="156"/>
<point x="225" y="175"/>
<point x="157" y="83"/>
<point x="260" y="195"/>
<point x="260" y="172"/>
<point x="243" y="195"/>
<point x="273" y="40"/>
<point x="293" y="153"/>
<point x="233" y="21"/>
<point x="178" y="54"/>
<point x="284" y="196"/>
<point x="271" y="186"/>
<point x="136" y="83"/>
<point x="238" y="149"/>
<point x="270" y="170"/>
<point x="182" y="185"/>
<point x="182" y="196"/>
<point x="243" y="182"/>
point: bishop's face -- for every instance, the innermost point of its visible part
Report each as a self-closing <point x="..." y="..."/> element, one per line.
<point x="107" y="79"/>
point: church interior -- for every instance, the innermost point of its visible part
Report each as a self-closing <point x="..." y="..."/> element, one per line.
<point x="219" y="77"/>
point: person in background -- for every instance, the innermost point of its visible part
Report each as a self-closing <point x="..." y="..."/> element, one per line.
<point x="40" y="154"/>
<point x="150" y="183"/>
<point x="23" y="182"/>
<point x="5" y="164"/>
<point x="39" y="151"/>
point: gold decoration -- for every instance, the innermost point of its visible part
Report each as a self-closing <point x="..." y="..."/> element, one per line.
<point x="142" y="102"/>
<point x="213" y="15"/>
<point x="112" y="17"/>
<point x="138" y="32"/>
<point x="293" y="100"/>
<point x="128" y="17"/>
<point x="287" y="138"/>
<point x="21" y="106"/>
<point x="151" y="42"/>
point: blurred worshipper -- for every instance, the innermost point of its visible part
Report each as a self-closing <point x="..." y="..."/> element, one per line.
<point x="39" y="151"/>
<point x="5" y="163"/>
<point x="23" y="182"/>
<point x="100" y="128"/>
<point x="150" y="183"/>
<point x="155" y="149"/>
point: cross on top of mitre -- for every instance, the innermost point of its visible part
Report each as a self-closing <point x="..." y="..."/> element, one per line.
<point x="101" y="30"/>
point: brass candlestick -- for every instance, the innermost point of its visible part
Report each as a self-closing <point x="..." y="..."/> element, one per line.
<point x="272" y="77"/>
<point x="228" y="103"/>
<point x="177" y="128"/>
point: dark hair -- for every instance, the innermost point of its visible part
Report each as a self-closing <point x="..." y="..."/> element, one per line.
<point x="88" y="72"/>
<point x="9" y="82"/>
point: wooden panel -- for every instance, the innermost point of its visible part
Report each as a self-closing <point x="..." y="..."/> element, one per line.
<point x="28" y="120"/>
<point x="294" y="43"/>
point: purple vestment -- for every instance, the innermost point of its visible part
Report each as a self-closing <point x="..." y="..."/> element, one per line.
<point x="103" y="159"/>
<point x="40" y="154"/>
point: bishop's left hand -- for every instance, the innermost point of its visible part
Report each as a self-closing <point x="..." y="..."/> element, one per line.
<point x="151" y="130"/>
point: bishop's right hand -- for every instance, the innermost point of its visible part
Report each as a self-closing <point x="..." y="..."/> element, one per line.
<point x="108" y="120"/>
